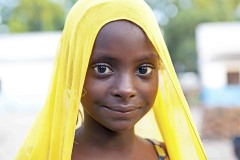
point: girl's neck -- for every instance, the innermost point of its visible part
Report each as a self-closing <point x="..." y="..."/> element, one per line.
<point x="99" y="136"/>
<point x="93" y="141"/>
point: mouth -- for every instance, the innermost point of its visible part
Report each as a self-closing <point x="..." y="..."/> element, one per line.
<point x="122" y="109"/>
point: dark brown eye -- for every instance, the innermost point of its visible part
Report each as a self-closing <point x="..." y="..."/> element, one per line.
<point x="145" y="69"/>
<point x="102" y="69"/>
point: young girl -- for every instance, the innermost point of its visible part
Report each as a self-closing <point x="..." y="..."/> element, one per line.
<point x="112" y="61"/>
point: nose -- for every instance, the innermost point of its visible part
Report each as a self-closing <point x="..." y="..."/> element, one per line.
<point x="124" y="87"/>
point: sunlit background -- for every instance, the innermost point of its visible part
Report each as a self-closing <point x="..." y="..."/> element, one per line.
<point x="203" y="37"/>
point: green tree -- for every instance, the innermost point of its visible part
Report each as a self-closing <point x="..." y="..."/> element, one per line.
<point x="179" y="31"/>
<point x="37" y="15"/>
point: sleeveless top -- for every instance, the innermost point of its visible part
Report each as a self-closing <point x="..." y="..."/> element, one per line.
<point x="160" y="150"/>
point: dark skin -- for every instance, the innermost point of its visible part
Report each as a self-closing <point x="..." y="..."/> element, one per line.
<point x="121" y="84"/>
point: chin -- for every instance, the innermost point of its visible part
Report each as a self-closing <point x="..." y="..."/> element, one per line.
<point x="121" y="127"/>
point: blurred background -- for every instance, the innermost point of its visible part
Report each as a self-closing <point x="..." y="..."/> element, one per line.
<point x="203" y="38"/>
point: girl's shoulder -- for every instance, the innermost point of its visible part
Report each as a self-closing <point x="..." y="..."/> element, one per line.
<point x="160" y="149"/>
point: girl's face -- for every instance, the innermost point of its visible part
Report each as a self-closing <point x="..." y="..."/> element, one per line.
<point x="122" y="78"/>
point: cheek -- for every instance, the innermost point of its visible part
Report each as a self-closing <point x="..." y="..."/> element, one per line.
<point x="95" y="91"/>
<point x="153" y="89"/>
<point x="152" y="95"/>
<point x="150" y="91"/>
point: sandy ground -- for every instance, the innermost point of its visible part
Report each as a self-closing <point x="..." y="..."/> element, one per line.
<point x="215" y="149"/>
<point x="15" y="125"/>
<point x="13" y="129"/>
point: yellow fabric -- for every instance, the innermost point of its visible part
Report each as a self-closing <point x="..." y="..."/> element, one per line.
<point x="52" y="135"/>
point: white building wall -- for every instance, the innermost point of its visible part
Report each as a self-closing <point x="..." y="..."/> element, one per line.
<point x="26" y="62"/>
<point x="25" y="83"/>
<point x="216" y="40"/>
<point x="213" y="75"/>
<point x="218" y="47"/>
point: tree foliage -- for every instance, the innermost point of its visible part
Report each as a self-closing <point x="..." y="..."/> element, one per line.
<point x="178" y="20"/>
<point x="36" y="15"/>
<point x="179" y="32"/>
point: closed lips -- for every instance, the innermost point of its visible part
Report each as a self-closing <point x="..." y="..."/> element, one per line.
<point x="122" y="109"/>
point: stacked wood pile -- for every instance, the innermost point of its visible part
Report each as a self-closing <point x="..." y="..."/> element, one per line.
<point x="221" y="123"/>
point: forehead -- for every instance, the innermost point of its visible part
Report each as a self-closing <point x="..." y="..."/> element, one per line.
<point x="119" y="37"/>
<point x="121" y="27"/>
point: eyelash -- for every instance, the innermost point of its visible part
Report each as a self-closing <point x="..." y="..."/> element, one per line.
<point x="146" y="66"/>
<point x="106" y="67"/>
<point x="96" y="68"/>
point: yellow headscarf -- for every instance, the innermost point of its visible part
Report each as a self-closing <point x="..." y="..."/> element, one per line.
<point x="52" y="135"/>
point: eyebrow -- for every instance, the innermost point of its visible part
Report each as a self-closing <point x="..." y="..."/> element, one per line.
<point x="150" y="57"/>
<point x="101" y="55"/>
<point x="153" y="57"/>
